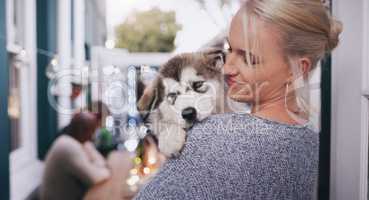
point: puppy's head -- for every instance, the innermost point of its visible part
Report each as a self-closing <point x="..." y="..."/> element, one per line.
<point x="186" y="90"/>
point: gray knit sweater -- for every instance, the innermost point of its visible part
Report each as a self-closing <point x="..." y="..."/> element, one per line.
<point x="240" y="156"/>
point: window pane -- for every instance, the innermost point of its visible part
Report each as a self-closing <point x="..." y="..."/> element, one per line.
<point x="18" y="22"/>
<point x="14" y="108"/>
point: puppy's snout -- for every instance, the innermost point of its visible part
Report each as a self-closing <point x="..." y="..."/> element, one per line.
<point x="189" y="114"/>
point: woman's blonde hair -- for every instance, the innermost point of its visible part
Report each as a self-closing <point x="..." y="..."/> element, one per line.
<point x="306" y="27"/>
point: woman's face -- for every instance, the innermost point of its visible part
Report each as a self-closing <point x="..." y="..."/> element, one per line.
<point x="264" y="81"/>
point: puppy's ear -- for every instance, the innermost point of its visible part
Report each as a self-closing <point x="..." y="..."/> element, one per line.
<point x="219" y="60"/>
<point x="150" y="97"/>
<point x="146" y="98"/>
<point x="215" y="58"/>
<point x="215" y="49"/>
<point x="140" y="89"/>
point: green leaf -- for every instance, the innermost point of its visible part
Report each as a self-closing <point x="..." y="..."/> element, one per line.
<point x="148" y="31"/>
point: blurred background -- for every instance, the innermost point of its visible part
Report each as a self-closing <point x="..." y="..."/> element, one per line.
<point x="63" y="55"/>
<point x="59" y="56"/>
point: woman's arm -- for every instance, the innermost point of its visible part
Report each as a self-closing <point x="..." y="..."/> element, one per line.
<point x="89" y="171"/>
<point x="95" y="157"/>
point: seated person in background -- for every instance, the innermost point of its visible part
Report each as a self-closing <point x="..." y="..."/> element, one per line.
<point x="99" y="108"/>
<point x="72" y="164"/>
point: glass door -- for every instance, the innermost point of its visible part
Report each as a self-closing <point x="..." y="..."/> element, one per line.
<point x="365" y="113"/>
<point x="14" y="108"/>
<point x="365" y="137"/>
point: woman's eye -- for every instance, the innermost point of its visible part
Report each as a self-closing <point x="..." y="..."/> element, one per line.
<point x="199" y="86"/>
<point x="251" y="60"/>
<point x="172" y="96"/>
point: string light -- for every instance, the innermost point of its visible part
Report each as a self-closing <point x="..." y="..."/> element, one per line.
<point x="133" y="180"/>
<point x="134" y="171"/>
<point x="110" y="44"/>
<point x="151" y="160"/>
<point x="146" y="170"/>
<point x="137" y="160"/>
<point x="54" y="62"/>
<point x="131" y="145"/>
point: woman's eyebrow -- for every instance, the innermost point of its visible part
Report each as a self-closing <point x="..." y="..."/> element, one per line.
<point x="244" y="52"/>
<point x="239" y="50"/>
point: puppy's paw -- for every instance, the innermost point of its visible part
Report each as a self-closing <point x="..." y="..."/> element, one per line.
<point x="171" y="140"/>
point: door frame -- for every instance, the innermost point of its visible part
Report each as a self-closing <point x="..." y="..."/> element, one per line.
<point x="4" y="119"/>
<point x="350" y="113"/>
<point x="365" y="107"/>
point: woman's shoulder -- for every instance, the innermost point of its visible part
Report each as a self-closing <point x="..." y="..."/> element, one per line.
<point x="221" y="122"/>
<point x="66" y="141"/>
<point x="247" y="123"/>
<point x="235" y="150"/>
<point x="65" y="145"/>
<point x="245" y="130"/>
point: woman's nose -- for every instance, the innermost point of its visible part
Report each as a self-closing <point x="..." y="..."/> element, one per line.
<point x="229" y="68"/>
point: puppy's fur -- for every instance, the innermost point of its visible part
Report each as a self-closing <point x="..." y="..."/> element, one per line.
<point x="188" y="89"/>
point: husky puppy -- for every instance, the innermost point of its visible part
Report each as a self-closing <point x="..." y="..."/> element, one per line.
<point x="189" y="88"/>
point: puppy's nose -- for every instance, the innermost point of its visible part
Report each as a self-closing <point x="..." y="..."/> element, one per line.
<point x="189" y="114"/>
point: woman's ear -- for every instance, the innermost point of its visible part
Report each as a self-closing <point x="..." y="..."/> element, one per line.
<point x="305" y="66"/>
<point x="301" y="67"/>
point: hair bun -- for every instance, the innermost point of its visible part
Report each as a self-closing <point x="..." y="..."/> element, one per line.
<point x="335" y="31"/>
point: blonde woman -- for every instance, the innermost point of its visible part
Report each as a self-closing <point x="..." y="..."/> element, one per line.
<point x="271" y="153"/>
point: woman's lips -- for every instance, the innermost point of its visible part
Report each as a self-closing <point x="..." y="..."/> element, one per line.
<point x="230" y="81"/>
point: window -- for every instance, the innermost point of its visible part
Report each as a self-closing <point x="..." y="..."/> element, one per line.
<point x="21" y="48"/>
<point x="14" y="27"/>
<point x="104" y="65"/>
<point x="19" y="84"/>
<point x="14" y="109"/>
<point x="15" y="23"/>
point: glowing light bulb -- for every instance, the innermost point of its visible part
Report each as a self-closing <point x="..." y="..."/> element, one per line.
<point x="151" y="160"/>
<point x="54" y="62"/>
<point x="134" y="171"/>
<point x="137" y="160"/>
<point x="131" y="145"/>
<point x="110" y="44"/>
<point x="133" y="180"/>
<point x="146" y="170"/>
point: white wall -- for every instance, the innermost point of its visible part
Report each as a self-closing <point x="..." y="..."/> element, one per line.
<point x="349" y="106"/>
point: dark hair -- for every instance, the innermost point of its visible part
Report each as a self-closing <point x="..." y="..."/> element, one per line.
<point x="82" y="126"/>
<point x="100" y="110"/>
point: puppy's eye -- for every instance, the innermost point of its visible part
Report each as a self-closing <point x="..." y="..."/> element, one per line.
<point x="172" y="96"/>
<point x="199" y="86"/>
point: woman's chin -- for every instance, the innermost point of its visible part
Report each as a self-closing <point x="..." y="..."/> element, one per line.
<point x="241" y="98"/>
<point x="240" y="95"/>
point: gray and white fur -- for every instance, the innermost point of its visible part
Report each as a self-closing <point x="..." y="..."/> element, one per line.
<point x="189" y="88"/>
